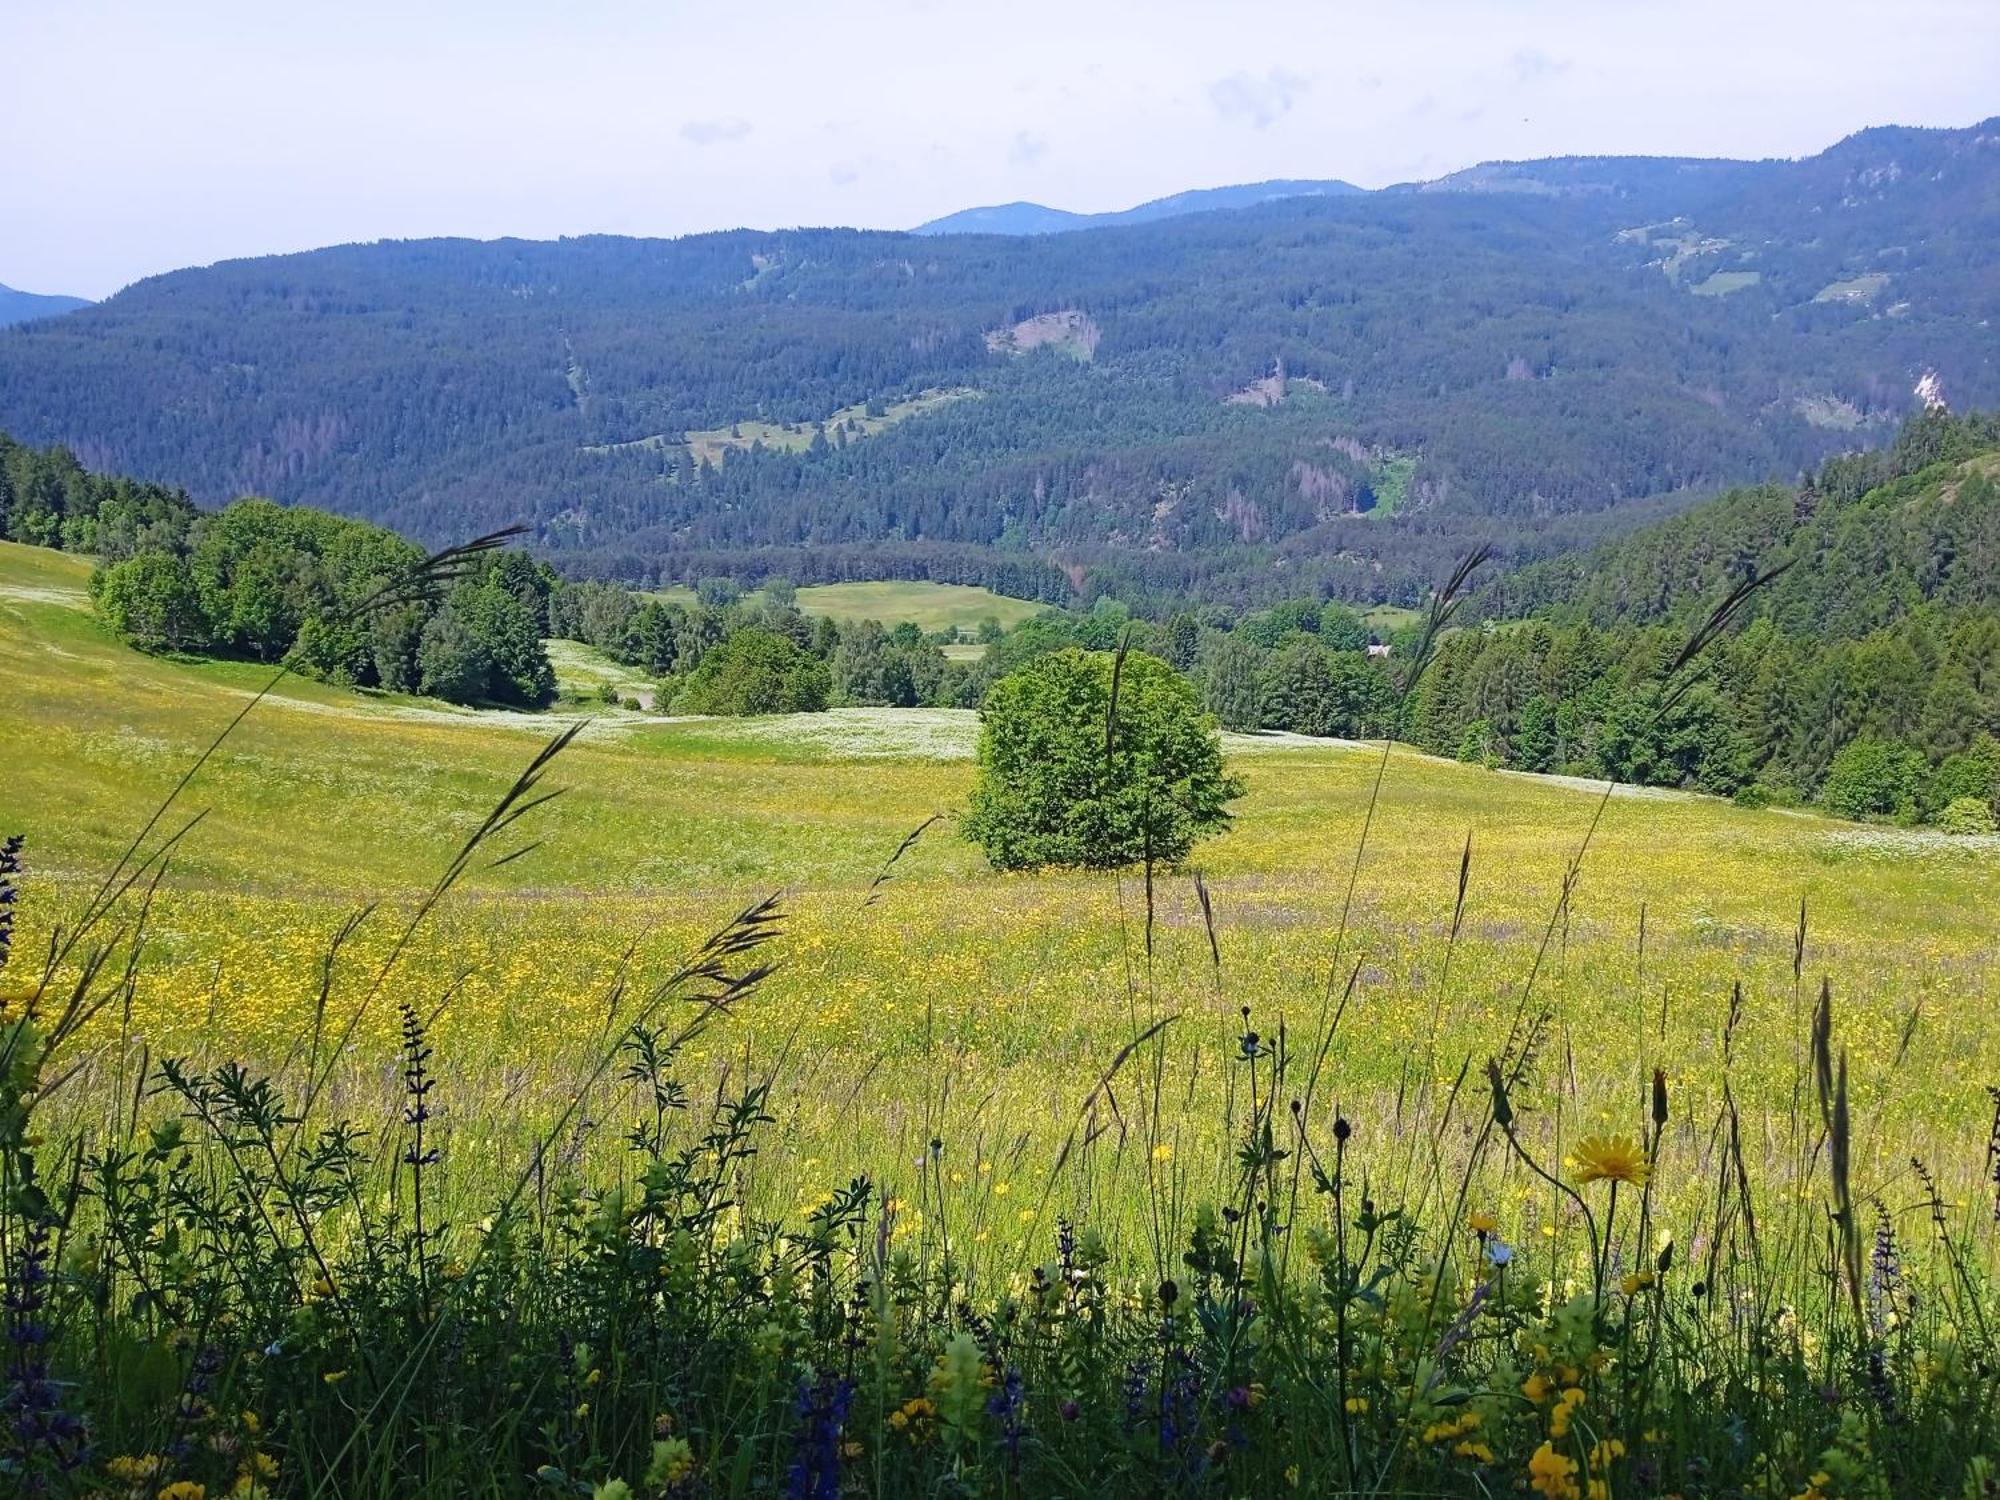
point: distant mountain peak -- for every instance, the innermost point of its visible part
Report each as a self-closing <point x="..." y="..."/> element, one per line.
<point x="19" y="307"/>
<point x="1038" y="218"/>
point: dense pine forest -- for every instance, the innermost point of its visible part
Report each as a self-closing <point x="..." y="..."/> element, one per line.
<point x="1314" y="396"/>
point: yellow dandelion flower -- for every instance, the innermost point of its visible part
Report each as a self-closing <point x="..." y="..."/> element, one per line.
<point x="1481" y="1222"/>
<point x="1611" y="1158"/>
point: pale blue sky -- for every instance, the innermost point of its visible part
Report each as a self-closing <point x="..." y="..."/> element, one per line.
<point x="141" y="136"/>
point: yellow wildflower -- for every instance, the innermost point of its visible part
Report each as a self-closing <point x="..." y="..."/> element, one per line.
<point x="258" y="1466"/>
<point x="1482" y="1222"/>
<point x="1611" y="1158"/>
<point x="1566" y="1404"/>
<point x="1552" y="1473"/>
<point x="672" y="1462"/>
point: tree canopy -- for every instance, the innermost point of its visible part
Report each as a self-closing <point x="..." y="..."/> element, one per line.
<point x="1096" y="760"/>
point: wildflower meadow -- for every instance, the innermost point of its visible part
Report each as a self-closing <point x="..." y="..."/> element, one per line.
<point x="433" y="1106"/>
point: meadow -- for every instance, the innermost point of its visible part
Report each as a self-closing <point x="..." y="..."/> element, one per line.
<point x="1005" y="1058"/>
<point x="928" y="606"/>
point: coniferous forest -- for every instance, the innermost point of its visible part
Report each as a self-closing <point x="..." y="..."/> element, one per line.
<point x="1317" y="395"/>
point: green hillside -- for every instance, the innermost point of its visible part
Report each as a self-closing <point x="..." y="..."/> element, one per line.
<point x="1864" y="674"/>
<point x="1870" y="539"/>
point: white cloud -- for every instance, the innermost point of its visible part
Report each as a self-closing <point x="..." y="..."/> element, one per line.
<point x="1028" y="148"/>
<point x="1261" y="102"/>
<point x="1531" y="64"/>
<point x="715" y="132"/>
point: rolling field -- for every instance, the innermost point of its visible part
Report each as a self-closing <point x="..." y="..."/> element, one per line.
<point x="1040" y="1104"/>
<point x="994" y="999"/>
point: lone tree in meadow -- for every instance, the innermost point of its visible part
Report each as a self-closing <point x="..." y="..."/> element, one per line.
<point x="1067" y="776"/>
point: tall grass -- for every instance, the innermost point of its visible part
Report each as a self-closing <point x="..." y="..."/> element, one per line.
<point x="1244" y="1274"/>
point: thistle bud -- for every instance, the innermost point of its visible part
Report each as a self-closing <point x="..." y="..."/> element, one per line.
<point x="1503" y="1112"/>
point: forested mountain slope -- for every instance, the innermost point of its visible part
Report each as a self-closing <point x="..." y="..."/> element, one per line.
<point x="1869" y="539"/>
<point x="1312" y="395"/>
<point x="1865" y="676"/>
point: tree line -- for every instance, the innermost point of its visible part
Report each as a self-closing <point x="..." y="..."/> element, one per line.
<point x="264" y="582"/>
<point x="1864" y="678"/>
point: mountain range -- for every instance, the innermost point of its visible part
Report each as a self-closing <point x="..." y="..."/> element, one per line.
<point x="1331" y="392"/>
<point x="19" y="307"/>
<point x="1034" y="218"/>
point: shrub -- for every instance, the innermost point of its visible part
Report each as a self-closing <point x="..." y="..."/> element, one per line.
<point x="1055" y="788"/>
<point x="1966" y="815"/>
<point x="1475" y="746"/>
<point x="150" y="600"/>
<point x="1873" y="778"/>
<point x="718" y="593"/>
<point x="1973" y="774"/>
<point x="756" y="672"/>
<point x="452" y="662"/>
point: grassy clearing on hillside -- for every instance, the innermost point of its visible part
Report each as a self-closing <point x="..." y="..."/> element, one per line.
<point x="1386" y="619"/>
<point x="582" y="670"/>
<point x="929" y="606"/>
<point x="1392" y="485"/>
<point x="1863" y="288"/>
<point x="1722" y="283"/>
<point x="854" y="422"/>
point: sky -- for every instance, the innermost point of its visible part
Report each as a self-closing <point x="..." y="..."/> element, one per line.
<point x="138" y="137"/>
